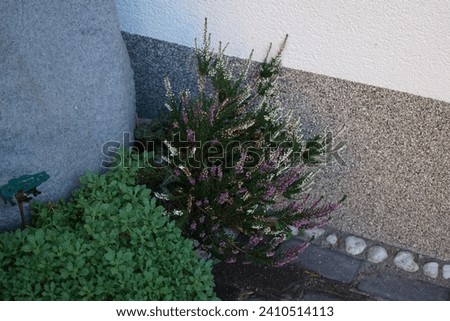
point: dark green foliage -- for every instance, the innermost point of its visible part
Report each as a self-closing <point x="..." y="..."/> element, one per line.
<point x="111" y="242"/>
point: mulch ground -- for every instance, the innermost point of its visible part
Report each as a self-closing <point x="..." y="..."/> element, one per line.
<point x="238" y="282"/>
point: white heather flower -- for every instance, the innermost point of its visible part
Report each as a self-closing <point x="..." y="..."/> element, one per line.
<point x="232" y="233"/>
<point x="185" y="170"/>
<point x="169" y="92"/>
<point x="168" y="106"/>
<point x="243" y="126"/>
<point x="162" y="196"/>
<point x="281" y="170"/>
<point x="177" y="212"/>
<point x="173" y="151"/>
<point x="246" y="196"/>
<point x="276" y="233"/>
<point x="253" y="209"/>
<point x="192" y="151"/>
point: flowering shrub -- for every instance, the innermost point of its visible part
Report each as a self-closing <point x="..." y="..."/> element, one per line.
<point x="236" y="166"/>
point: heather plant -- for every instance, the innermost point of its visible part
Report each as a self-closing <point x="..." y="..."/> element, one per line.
<point x="236" y="169"/>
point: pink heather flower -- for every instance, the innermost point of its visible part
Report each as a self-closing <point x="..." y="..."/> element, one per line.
<point x="212" y="112"/>
<point x="202" y="235"/>
<point x="198" y="204"/>
<point x="317" y="224"/>
<point x="193" y="226"/>
<point x="269" y="193"/>
<point x="235" y="252"/>
<point x="185" y="100"/>
<point x="316" y="203"/>
<point x="213" y="170"/>
<point x="192" y="181"/>
<point x="190" y="135"/>
<point x="231" y="260"/>
<point x="266" y="167"/>
<point x="284" y="182"/>
<point x="203" y="175"/>
<point x="205" y="201"/>
<point x="270" y="253"/>
<point x="175" y="124"/>
<point x="215" y="227"/>
<point x="202" y="218"/>
<point x="184" y="117"/>
<point x="197" y="112"/>
<point x="242" y="190"/>
<point x="277" y="240"/>
<point x="291" y="255"/>
<point x="222" y="244"/>
<point x="322" y="211"/>
<point x="176" y="172"/>
<point x="246" y="262"/>
<point x="219" y="172"/>
<point x="300" y="223"/>
<point x="254" y="240"/>
<point x="223" y="198"/>
<point x="276" y="154"/>
<point x="248" y="175"/>
<point x="239" y="167"/>
<point x="299" y="206"/>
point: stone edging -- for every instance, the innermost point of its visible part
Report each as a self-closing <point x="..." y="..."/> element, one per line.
<point x="414" y="265"/>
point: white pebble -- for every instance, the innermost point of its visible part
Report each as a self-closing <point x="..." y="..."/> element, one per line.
<point x="431" y="269"/>
<point x="405" y="261"/>
<point x="314" y="232"/>
<point x="377" y="254"/>
<point x="446" y="271"/>
<point x="354" y="245"/>
<point x="294" y="230"/>
<point x="332" y="239"/>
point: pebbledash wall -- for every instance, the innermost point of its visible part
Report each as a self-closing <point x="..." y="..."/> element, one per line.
<point x="376" y="73"/>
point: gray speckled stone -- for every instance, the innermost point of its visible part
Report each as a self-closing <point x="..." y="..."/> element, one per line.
<point x="377" y="254"/>
<point x="66" y="89"/>
<point x="446" y="271"/>
<point x="354" y="245"/>
<point x="405" y="261"/>
<point x="431" y="269"/>
<point x="329" y="263"/>
<point x="393" y="287"/>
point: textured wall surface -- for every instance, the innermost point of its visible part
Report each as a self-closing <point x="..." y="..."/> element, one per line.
<point x="66" y="88"/>
<point x="396" y="162"/>
<point x="175" y="62"/>
<point x="401" y="45"/>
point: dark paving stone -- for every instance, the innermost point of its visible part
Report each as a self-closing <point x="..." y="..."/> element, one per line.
<point x="329" y="263"/>
<point x="320" y="297"/>
<point x="391" y="287"/>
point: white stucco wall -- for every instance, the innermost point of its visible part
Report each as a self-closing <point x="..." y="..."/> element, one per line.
<point x="401" y="45"/>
